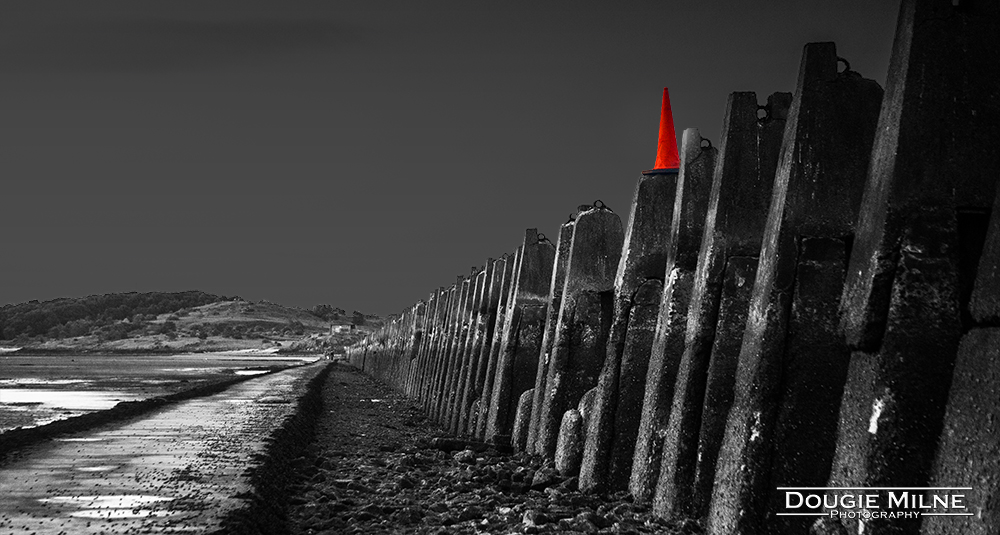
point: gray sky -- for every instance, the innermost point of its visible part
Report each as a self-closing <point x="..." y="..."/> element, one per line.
<point x="361" y="153"/>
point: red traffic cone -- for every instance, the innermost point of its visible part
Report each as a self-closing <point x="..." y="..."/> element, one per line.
<point x="668" y="160"/>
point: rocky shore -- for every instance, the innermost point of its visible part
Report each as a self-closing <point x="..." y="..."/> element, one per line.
<point x="377" y="465"/>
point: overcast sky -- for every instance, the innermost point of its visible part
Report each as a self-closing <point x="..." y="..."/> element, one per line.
<point x="361" y="153"/>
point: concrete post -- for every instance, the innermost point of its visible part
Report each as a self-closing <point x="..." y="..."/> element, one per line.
<point x="503" y="316"/>
<point x="522" y="336"/>
<point x="793" y="360"/>
<point x="419" y="333"/>
<point x="431" y="347"/>
<point x="519" y="438"/>
<point x="444" y="344"/>
<point x="430" y="327"/>
<point x="478" y="287"/>
<point x="463" y="355"/>
<point x="580" y="341"/>
<point x="551" y="318"/>
<point x="497" y="300"/>
<point x="932" y="179"/>
<point x="658" y="207"/>
<point x="474" y="348"/>
<point x="733" y="230"/>
<point x="452" y="357"/>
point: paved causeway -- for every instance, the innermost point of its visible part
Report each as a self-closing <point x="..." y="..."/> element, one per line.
<point x="176" y="471"/>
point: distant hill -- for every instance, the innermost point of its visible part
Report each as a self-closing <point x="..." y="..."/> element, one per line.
<point x="179" y="322"/>
<point x="78" y="316"/>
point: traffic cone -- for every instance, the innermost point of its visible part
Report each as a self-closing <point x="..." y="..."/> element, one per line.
<point x="668" y="160"/>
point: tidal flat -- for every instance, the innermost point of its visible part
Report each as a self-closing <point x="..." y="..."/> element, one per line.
<point x="36" y="390"/>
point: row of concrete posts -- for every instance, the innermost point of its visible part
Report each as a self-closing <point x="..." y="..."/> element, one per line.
<point x="813" y="304"/>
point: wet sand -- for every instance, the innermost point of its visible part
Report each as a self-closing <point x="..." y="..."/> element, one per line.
<point x="39" y="389"/>
<point x="179" y="470"/>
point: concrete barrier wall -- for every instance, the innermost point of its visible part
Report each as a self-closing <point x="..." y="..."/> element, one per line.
<point x="814" y="305"/>
<point x="656" y="388"/>
<point x="551" y="317"/>
<point x="521" y="340"/>
<point x="793" y="359"/>
<point x="726" y="265"/>
<point x="584" y="320"/>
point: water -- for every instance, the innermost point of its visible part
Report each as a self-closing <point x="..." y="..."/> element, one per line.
<point x="35" y="390"/>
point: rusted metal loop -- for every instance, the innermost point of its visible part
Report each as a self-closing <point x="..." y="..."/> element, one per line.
<point x="767" y="112"/>
<point x="572" y="218"/>
<point x="706" y="140"/>
<point x="847" y="65"/>
<point x="542" y="238"/>
<point x="599" y="204"/>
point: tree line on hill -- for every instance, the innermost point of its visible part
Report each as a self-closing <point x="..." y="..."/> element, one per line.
<point x="105" y="315"/>
<point x="331" y="313"/>
<point x="79" y="316"/>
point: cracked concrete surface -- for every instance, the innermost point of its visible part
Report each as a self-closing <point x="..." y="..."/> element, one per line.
<point x="178" y="470"/>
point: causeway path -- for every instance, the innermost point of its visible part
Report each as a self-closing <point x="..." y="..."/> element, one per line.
<point x="177" y="470"/>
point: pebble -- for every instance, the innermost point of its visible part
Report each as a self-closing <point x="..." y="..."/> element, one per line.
<point x="403" y="474"/>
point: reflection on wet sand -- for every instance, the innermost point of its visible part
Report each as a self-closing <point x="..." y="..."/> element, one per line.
<point x="36" y="390"/>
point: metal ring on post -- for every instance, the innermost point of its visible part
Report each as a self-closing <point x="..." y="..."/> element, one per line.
<point x="600" y="206"/>
<point x="767" y="112"/>
<point x="572" y="218"/>
<point x="706" y="140"/>
<point x="542" y="239"/>
<point x="847" y="65"/>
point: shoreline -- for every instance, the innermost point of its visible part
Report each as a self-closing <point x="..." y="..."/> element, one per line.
<point x="167" y="351"/>
<point x="184" y="465"/>
<point x="17" y="440"/>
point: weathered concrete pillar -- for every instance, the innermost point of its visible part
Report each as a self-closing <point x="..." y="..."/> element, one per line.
<point x="548" y="338"/>
<point x="932" y="178"/>
<point x="441" y="306"/>
<point x="969" y="452"/>
<point x="503" y="316"/>
<point x="499" y="288"/>
<point x="433" y="345"/>
<point x="793" y="360"/>
<point x="395" y="336"/>
<point x="984" y="303"/>
<point x="572" y="429"/>
<point x="453" y="358"/>
<point x="650" y="403"/>
<point x="444" y="344"/>
<point x="419" y="332"/>
<point x="522" y="336"/>
<point x="430" y="327"/>
<point x="465" y="355"/>
<point x="375" y="353"/>
<point x="400" y="360"/>
<point x="522" y="418"/>
<point x="936" y="144"/>
<point x="726" y="265"/>
<point x="580" y="342"/>
<point x="658" y="205"/>
<point x="569" y="443"/>
<point x="479" y="334"/>
<point x="417" y="326"/>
